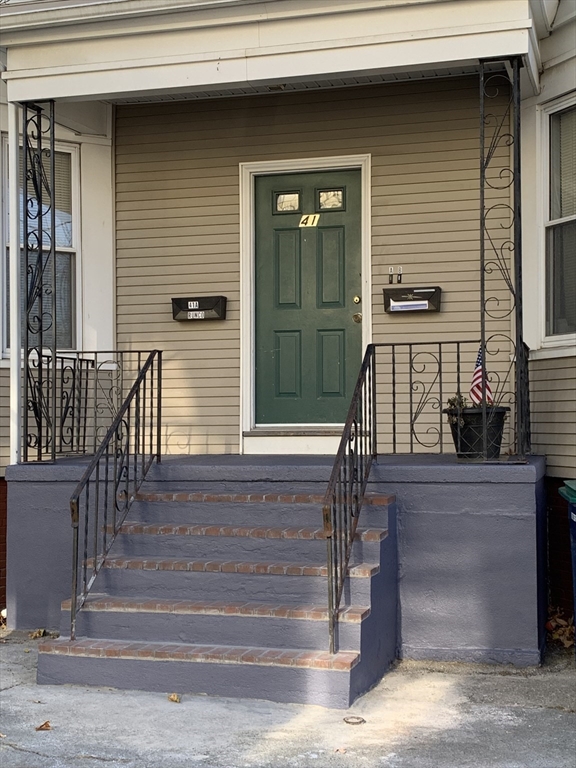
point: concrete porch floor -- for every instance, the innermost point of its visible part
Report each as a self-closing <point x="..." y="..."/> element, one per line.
<point x="422" y="715"/>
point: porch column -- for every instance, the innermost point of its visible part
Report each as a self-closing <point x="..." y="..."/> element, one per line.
<point x="500" y="240"/>
<point x="15" y="289"/>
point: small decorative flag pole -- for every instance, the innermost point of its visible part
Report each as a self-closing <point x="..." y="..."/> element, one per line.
<point x="476" y="386"/>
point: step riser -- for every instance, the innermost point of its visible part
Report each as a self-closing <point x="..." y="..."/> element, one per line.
<point x="266" y="632"/>
<point x="282" y="684"/>
<point x="227" y="587"/>
<point x="306" y="470"/>
<point x="313" y="551"/>
<point x="244" y="514"/>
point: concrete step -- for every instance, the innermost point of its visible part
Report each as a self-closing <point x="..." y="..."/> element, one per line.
<point x="288" y="675"/>
<point x="224" y="542"/>
<point x="268" y="624"/>
<point x="221" y="587"/>
<point x="244" y="580"/>
<point x="231" y="504"/>
<point x="245" y="469"/>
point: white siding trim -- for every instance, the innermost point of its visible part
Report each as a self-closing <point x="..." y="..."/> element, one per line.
<point x="248" y="172"/>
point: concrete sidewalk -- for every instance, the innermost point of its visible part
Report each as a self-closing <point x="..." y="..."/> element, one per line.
<point x="420" y="716"/>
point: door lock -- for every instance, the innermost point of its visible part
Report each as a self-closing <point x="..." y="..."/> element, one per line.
<point x="357" y="317"/>
<point x="356" y="299"/>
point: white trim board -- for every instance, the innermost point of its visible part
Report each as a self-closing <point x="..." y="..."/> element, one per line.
<point x="248" y="173"/>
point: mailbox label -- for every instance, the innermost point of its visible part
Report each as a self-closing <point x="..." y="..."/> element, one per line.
<point x="193" y="305"/>
<point x="196" y="315"/>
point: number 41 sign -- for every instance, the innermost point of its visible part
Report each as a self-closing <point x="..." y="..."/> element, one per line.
<point x="309" y="220"/>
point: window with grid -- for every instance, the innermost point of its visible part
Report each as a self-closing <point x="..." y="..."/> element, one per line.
<point x="561" y="226"/>
<point x="65" y="254"/>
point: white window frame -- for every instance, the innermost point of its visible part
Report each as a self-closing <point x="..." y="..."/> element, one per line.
<point x="74" y="151"/>
<point x="565" y="341"/>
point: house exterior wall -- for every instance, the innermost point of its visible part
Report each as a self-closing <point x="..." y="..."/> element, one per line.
<point x="552" y="360"/>
<point x="553" y="403"/>
<point x="178" y="224"/>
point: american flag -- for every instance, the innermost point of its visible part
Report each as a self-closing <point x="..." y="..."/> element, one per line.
<point x="476" y="386"/>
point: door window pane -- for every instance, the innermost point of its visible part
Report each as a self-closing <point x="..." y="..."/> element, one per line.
<point x="330" y="199"/>
<point x="287" y="202"/>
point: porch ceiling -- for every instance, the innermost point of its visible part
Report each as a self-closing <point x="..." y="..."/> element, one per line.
<point x="306" y="85"/>
<point x="258" y="48"/>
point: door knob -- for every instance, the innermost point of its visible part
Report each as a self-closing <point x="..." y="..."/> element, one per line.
<point x="356" y="299"/>
<point x="357" y="317"/>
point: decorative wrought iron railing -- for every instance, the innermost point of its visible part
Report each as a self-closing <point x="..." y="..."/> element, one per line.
<point x="105" y="493"/>
<point x="347" y="485"/>
<point x="89" y="388"/>
<point x="419" y="403"/>
<point x="419" y="382"/>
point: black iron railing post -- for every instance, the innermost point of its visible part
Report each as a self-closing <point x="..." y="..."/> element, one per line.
<point x="40" y="288"/>
<point x="159" y="411"/>
<point x="75" y="551"/>
<point x="373" y="405"/>
<point x="521" y="372"/>
<point x="483" y="253"/>
<point x="500" y="240"/>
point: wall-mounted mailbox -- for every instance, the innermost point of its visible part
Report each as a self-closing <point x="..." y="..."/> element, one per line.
<point x="199" y="308"/>
<point x="412" y="299"/>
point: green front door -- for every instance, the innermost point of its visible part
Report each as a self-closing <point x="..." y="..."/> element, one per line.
<point x="308" y="296"/>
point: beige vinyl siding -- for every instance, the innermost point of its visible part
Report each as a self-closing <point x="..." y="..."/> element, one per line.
<point x="553" y="406"/>
<point x="4" y="419"/>
<point x="178" y="227"/>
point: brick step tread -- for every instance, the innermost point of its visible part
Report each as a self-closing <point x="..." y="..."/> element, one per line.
<point x="352" y="613"/>
<point x="255" y="532"/>
<point x="375" y="499"/>
<point x="343" y="661"/>
<point x="231" y="566"/>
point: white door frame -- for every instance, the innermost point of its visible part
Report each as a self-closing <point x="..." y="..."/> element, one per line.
<point x="248" y="173"/>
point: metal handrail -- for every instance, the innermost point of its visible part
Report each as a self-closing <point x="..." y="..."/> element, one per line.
<point x="347" y="485"/>
<point x="130" y="446"/>
<point x="416" y="380"/>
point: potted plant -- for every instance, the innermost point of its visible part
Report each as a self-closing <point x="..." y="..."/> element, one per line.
<point x="467" y="426"/>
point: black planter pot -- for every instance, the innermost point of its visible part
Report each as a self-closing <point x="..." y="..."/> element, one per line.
<point x="467" y="431"/>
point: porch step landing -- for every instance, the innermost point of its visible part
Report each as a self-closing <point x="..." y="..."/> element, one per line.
<point x="221" y="588"/>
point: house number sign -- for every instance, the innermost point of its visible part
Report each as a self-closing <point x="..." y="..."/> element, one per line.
<point x="309" y="220"/>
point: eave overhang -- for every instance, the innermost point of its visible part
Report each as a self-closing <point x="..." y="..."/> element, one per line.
<point x="257" y="46"/>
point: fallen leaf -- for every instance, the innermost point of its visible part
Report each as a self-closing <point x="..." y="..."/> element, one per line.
<point x="37" y="633"/>
<point x="175" y="697"/>
<point x="2" y="735"/>
<point x="45" y="726"/>
<point x="26" y="650"/>
<point x="340" y="749"/>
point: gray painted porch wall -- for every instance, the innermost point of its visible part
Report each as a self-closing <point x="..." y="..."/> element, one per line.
<point x="472" y="558"/>
<point x="471" y="553"/>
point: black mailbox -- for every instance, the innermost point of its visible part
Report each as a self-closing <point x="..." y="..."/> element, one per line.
<point x="199" y="308"/>
<point x="412" y="299"/>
